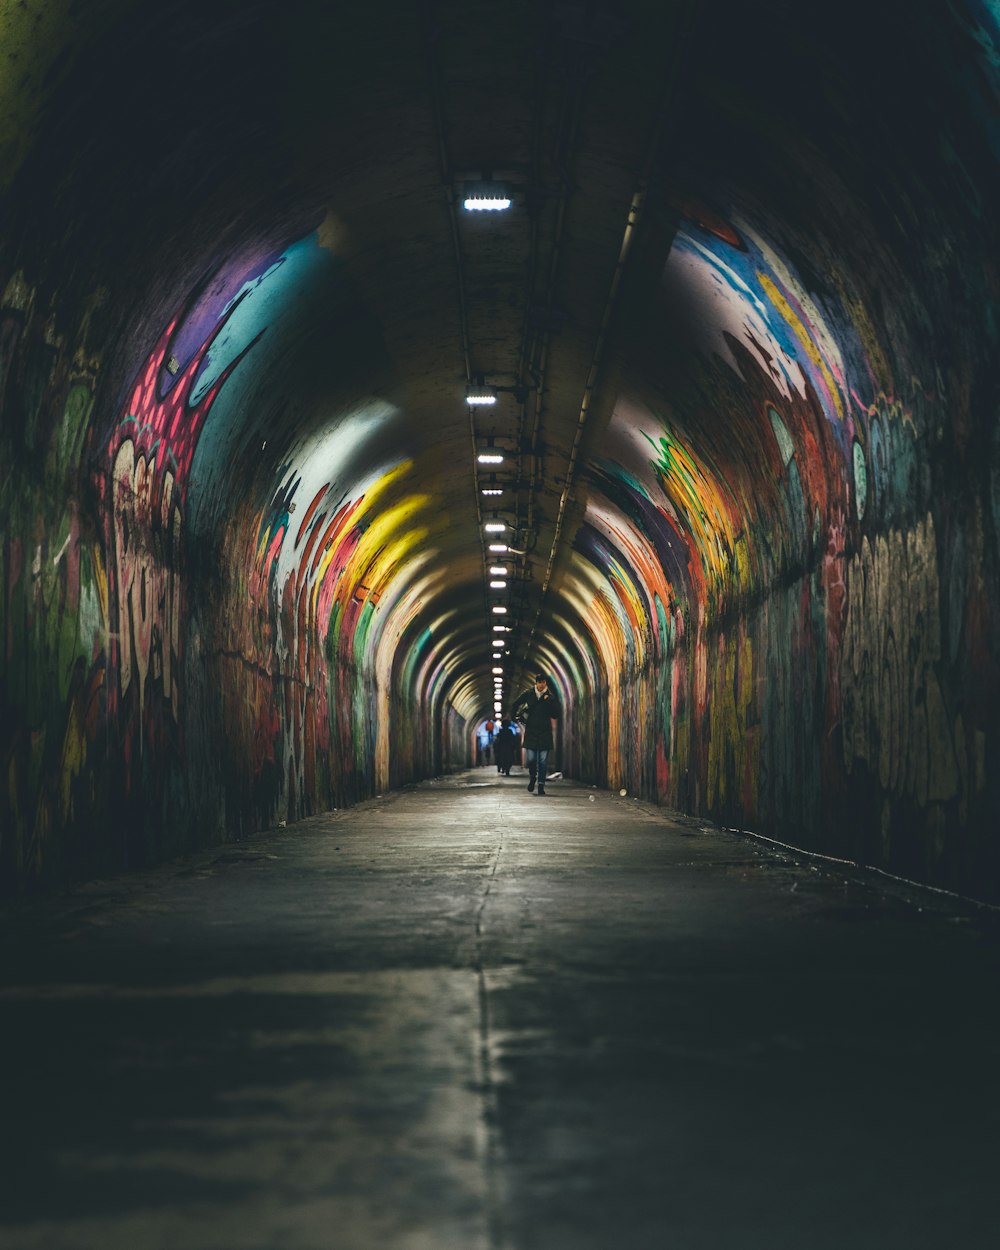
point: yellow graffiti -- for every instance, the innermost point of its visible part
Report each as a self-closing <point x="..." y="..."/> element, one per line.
<point x="733" y="751"/>
<point x="805" y="338"/>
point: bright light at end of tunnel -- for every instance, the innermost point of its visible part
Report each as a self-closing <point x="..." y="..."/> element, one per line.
<point x="490" y="457"/>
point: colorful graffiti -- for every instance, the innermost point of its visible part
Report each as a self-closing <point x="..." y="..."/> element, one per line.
<point x="151" y="454"/>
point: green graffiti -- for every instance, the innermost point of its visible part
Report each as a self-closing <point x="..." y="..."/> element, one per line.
<point x="860" y="480"/>
<point x="784" y="440"/>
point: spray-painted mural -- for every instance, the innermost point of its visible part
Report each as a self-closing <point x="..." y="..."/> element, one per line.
<point x="148" y="615"/>
<point x="770" y="609"/>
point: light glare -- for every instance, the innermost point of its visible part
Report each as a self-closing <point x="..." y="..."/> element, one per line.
<point x="486" y="204"/>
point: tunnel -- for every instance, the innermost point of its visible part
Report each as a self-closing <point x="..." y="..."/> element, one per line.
<point x="738" y="327"/>
<point x="360" y="363"/>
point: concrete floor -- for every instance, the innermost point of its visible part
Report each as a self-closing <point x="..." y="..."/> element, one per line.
<point x="463" y="1016"/>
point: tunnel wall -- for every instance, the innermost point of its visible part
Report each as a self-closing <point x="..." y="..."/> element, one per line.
<point x="796" y="501"/>
<point x="180" y="665"/>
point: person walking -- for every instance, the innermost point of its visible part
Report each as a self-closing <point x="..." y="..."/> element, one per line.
<point x="538" y="709"/>
<point x="483" y="740"/>
<point x="503" y="748"/>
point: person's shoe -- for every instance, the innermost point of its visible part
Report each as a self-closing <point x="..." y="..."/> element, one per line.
<point x="541" y="793"/>
<point x="531" y="785"/>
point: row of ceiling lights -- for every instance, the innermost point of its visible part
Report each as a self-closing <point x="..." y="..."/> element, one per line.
<point x="491" y="197"/>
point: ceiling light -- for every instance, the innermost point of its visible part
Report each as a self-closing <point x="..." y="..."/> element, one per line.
<point x="492" y="490"/>
<point x="486" y="197"/>
<point x="480" y="396"/>
<point x="494" y="527"/>
<point x="498" y="570"/>
<point x="499" y="629"/>
<point x="490" y="457"/>
<point x="498" y="670"/>
<point x="498" y="546"/>
<point x="499" y="610"/>
<point x="498" y="585"/>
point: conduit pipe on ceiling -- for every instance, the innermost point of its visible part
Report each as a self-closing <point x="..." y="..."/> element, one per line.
<point x="635" y="208"/>
<point x="634" y="214"/>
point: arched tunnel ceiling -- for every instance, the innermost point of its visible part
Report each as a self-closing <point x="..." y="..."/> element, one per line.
<point x="256" y="210"/>
<point x="279" y="189"/>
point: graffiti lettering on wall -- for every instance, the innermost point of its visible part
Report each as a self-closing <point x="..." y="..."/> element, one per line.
<point x="893" y="712"/>
<point x="147" y="530"/>
<point x="151" y="456"/>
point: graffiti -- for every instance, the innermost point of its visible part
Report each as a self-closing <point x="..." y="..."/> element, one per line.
<point x="147" y="544"/>
<point x="893" y="710"/>
<point x="151" y="455"/>
<point x="732" y="743"/>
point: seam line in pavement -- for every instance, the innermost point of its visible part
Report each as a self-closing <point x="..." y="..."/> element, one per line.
<point x="487" y="1086"/>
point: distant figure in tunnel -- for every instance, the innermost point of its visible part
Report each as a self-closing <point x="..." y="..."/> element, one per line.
<point x="538" y="709"/>
<point x="503" y="748"/>
<point x="483" y="739"/>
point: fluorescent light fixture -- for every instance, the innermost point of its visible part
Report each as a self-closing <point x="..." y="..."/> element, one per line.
<point x="492" y="490"/>
<point x="499" y="610"/>
<point x="498" y="570"/>
<point x="499" y="629"/>
<point x="490" y="457"/>
<point x="498" y="585"/>
<point x="498" y="546"/>
<point x="486" y="197"/>
<point x="480" y="397"/>
<point x="498" y="670"/>
<point x="486" y="203"/>
<point x="494" y="527"/>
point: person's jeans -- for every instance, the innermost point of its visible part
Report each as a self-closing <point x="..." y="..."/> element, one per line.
<point x="537" y="763"/>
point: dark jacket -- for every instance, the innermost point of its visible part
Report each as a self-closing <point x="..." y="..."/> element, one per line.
<point x="537" y="715"/>
<point x="503" y="748"/>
